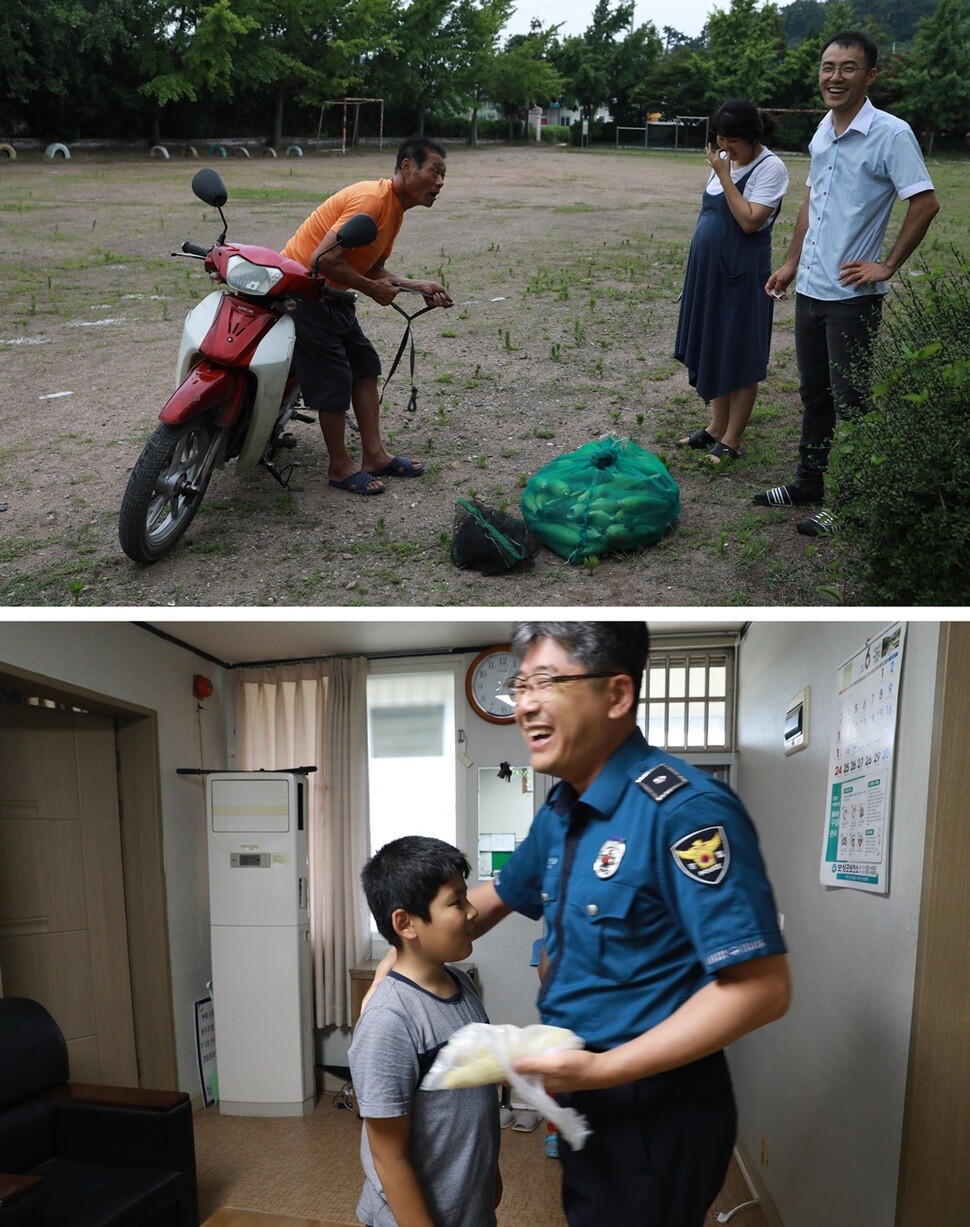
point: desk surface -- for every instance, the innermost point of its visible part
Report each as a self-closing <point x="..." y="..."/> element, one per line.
<point x="230" y="1217"/>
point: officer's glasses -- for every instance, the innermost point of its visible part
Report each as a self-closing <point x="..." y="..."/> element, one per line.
<point x="541" y="683"/>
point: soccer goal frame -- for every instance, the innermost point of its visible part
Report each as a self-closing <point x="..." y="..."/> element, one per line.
<point x="354" y="105"/>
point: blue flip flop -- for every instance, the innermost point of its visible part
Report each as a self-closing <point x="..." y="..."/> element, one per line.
<point x="399" y="466"/>
<point x="357" y="483"/>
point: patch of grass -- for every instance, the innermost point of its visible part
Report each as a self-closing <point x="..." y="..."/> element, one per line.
<point x="60" y="583"/>
<point x="277" y="195"/>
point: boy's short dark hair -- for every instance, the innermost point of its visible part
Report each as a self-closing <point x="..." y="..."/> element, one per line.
<point x="408" y="873"/>
<point x="598" y="646"/>
<point x="417" y="149"/>
<point x="854" y="38"/>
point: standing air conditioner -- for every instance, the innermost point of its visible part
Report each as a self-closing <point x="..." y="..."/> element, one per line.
<point x="261" y="970"/>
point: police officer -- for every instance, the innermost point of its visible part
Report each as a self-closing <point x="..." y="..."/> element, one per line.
<point x="661" y="931"/>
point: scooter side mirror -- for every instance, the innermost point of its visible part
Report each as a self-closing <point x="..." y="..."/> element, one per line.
<point x="208" y="186"/>
<point x="357" y="231"/>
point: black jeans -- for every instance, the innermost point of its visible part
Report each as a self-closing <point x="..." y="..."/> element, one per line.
<point x="833" y="345"/>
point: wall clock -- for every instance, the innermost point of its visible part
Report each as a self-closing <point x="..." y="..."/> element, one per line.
<point x="487" y="679"/>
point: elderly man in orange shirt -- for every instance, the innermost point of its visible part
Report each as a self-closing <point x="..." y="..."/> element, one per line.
<point x="336" y="364"/>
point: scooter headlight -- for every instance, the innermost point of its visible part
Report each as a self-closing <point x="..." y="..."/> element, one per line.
<point x="251" y="278"/>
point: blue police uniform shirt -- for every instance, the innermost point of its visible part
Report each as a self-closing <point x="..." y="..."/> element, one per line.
<point x="854" y="181"/>
<point x="659" y="886"/>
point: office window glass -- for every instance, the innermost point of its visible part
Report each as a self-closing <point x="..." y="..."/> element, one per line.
<point x="687" y="699"/>
<point x="411" y="740"/>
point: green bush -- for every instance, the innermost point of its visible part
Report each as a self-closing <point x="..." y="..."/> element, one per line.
<point x="598" y="134"/>
<point x="498" y="129"/>
<point x="555" y="133"/>
<point x="902" y="472"/>
<point x="442" y="126"/>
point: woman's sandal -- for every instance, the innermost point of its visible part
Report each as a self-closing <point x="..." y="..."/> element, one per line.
<point x="720" y="450"/>
<point x="699" y="440"/>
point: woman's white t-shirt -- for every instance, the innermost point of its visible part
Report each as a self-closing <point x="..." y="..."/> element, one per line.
<point x="767" y="185"/>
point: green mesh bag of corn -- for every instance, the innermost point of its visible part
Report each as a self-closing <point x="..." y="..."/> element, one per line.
<point x="608" y="495"/>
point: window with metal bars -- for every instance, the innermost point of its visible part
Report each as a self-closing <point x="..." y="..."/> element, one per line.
<point x="687" y="702"/>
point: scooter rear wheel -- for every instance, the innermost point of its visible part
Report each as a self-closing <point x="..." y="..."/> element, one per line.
<point x="166" y="487"/>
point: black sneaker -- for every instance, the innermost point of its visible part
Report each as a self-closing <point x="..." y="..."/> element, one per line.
<point x="786" y="496"/>
<point x="821" y="525"/>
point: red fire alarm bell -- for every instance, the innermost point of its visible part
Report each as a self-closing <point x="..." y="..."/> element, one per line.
<point x="201" y="686"/>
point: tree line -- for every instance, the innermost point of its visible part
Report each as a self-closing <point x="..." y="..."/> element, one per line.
<point x="157" y="70"/>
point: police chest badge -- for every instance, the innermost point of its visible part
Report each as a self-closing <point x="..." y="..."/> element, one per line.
<point x="608" y="858"/>
<point x="703" y="855"/>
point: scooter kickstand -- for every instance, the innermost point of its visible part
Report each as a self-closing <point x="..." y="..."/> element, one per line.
<point x="281" y="475"/>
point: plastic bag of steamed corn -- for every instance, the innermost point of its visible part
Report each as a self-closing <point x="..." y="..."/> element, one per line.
<point x="608" y="495"/>
<point x="481" y="1053"/>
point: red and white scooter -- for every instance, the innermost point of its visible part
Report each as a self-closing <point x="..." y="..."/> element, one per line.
<point x="236" y="391"/>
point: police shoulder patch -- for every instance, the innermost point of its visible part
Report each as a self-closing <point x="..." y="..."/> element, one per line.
<point x="703" y="855"/>
<point x="660" y="782"/>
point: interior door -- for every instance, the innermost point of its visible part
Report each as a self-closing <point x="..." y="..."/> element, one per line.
<point x="63" y="932"/>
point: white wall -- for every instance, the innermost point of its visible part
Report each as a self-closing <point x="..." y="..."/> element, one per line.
<point x="825" y="1085"/>
<point x="122" y="661"/>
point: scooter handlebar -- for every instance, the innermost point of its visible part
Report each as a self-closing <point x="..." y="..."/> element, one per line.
<point x="340" y="295"/>
<point x="193" y="249"/>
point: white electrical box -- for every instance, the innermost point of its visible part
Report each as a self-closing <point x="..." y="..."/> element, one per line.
<point x="796" y="730"/>
<point x="260" y="928"/>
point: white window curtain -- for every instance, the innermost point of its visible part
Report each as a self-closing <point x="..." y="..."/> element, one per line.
<point x="315" y="714"/>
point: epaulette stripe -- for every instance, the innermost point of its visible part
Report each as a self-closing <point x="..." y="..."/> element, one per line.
<point x="661" y="781"/>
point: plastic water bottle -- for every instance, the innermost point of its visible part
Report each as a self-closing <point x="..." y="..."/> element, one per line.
<point x="552" y="1141"/>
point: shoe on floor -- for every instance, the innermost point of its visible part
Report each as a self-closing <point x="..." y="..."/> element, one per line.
<point x="786" y="496"/>
<point x="700" y="440"/>
<point x="720" y="450"/>
<point x="506" y="1117"/>
<point x="359" y="483"/>
<point x="399" y="466"/>
<point x="526" y="1121"/>
<point x="823" y="524"/>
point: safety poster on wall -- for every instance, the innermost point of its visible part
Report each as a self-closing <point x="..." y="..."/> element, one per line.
<point x="856" y="849"/>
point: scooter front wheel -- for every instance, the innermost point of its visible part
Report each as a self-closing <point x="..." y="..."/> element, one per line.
<point x="166" y="487"/>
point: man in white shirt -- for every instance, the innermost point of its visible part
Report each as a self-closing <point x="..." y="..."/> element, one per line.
<point x="862" y="160"/>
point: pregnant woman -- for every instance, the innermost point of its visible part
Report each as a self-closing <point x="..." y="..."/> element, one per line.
<point x="724" y="329"/>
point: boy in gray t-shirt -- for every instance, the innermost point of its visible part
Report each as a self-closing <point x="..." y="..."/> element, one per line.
<point x="430" y="1158"/>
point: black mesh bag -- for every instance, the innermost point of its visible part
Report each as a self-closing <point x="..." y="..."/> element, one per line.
<point x="490" y="541"/>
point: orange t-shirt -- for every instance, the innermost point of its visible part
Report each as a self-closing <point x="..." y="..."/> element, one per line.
<point x="374" y="197"/>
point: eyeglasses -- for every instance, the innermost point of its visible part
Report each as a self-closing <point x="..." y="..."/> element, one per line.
<point x="847" y="70"/>
<point x="540" y="683"/>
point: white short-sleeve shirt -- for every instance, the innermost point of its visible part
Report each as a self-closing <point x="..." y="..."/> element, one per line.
<point x="766" y="186"/>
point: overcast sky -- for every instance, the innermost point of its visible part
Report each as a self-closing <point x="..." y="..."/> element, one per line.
<point x="687" y="16"/>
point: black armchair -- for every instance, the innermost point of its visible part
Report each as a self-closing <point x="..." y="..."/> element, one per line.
<point x="85" y="1156"/>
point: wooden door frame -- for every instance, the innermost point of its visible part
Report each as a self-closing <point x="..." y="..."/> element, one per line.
<point x="136" y="737"/>
<point x="936" y="1118"/>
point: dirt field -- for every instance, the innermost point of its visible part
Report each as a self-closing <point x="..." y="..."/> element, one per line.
<point x="566" y="266"/>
